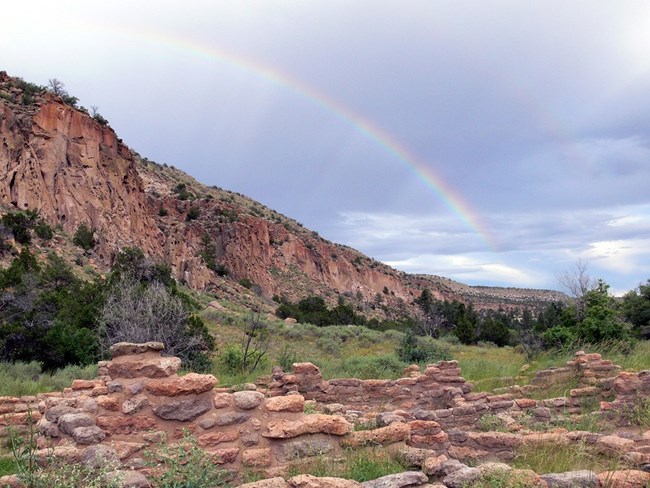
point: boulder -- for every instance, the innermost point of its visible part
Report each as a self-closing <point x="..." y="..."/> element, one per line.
<point x="248" y="400"/>
<point x="70" y="421"/>
<point x="290" y="403"/>
<point x="88" y="435"/>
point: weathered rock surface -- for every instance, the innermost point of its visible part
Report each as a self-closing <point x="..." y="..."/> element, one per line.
<point x="191" y="383"/>
<point x="183" y="410"/>
<point x="399" y="480"/>
<point x="312" y="424"/>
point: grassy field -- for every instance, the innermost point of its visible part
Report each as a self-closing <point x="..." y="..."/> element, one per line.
<point x="342" y="351"/>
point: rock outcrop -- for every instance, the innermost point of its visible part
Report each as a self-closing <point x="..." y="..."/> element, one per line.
<point x="73" y="169"/>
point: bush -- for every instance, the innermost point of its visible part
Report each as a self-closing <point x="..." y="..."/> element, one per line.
<point x="43" y="230"/>
<point x="414" y="349"/>
<point x="84" y="238"/>
<point x="20" y="224"/>
<point x="193" y="214"/>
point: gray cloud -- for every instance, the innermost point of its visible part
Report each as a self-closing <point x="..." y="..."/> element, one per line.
<point x="535" y="114"/>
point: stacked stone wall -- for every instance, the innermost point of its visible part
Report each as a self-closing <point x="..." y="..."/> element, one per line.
<point x="439" y="387"/>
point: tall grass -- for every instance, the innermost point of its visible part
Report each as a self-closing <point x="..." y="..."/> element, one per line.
<point x="359" y="465"/>
<point x="559" y="458"/>
<point x="20" y="379"/>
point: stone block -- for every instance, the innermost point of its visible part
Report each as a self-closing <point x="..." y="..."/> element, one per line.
<point x="191" y="383"/>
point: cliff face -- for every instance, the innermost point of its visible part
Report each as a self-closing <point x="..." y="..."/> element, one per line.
<point x="60" y="161"/>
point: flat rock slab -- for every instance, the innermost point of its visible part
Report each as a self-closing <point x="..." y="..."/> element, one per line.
<point x="144" y="368"/>
<point x="583" y="478"/>
<point x="399" y="480"/>
<point x="130" y="348"/>
<point x="191" y="383"/>
<point x="183" y="410"/>
<point x="309" y="481"/>
<point x="310" y="424"/>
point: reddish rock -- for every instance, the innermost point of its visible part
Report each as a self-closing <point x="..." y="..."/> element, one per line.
<point x="126" y="425"/>
<point x="124" y="449"/>
<point x="108" y="403"/>
<point x="137" y="367"/>
<point x="191" y="383"/>
<point x="268" y="483"/>
<point x="309" y="481"/>
<point x="130" y="349"/>
<point x="395" y="432"/>
<point x="623" y="479"/>
<point x="86" y="384"/>
<point x="612" y="445"/>
<point x="257" y="458"/>
<point x="310" y="424"/>
<point x="127" y="479"/>
<point x="135" y="404"/>
<point x="432" y="465"/>
<point x="290" y="403"/>
<point x="224" y="456"/>
<point x="222" y="400"/>
<point x="525" y="403"/>
<point x="305" y="368"/>
<point x="212" y="439"/>
<point x="23" y="418"/>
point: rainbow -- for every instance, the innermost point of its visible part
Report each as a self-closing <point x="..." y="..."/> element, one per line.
<point x="450" y="197"/>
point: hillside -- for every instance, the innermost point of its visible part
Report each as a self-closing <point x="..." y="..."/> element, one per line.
<point x="73" y="169"/>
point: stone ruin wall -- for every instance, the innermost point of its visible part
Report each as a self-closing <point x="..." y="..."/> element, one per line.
<point x="139" y="401"/>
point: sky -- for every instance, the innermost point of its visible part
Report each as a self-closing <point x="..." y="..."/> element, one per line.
<point x="492" y="142"/>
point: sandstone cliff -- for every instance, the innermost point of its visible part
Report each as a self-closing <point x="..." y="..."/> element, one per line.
<point x="74" y="170"/>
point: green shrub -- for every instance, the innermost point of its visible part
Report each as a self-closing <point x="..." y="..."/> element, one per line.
<point x="246" y="283"/>
<point x="193" y="214"/>
<point x="43" y="230"/>
<point x="20" y="224"/>
<point x="185" y="465"/>
<point x="162" y="211"/>
<point x="101" y="120"/>
<point x="414" y="349"/>
<point x="84" y="237"/>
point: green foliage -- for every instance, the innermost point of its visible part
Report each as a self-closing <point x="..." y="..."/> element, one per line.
<point x="49" y="314"/>
<point x="246" y="283"/>
<point x="21" y="378"/>
<point x="184" y="465"/>
<point x="286" y="358"/>
<point x="43" y="230"/>
<point x="20" y="224"/>
<point x="359" y="465"/>
<point x="162" y="211"/>
<point x="193" y="213"/>
<point x="132" y="262"/>
<point x="495" y="329"/>
<point x="414" y="349"/>
<point x="491" y="423"/>
<point x="314" y="310"/>
<point x="84" y="237"/>
<point x="601" y="320"/>
<point x="182" y="193"/>
<point x="101" y="120"/>
<point x="636" y="308"/>
<point x="374" y="367"/>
